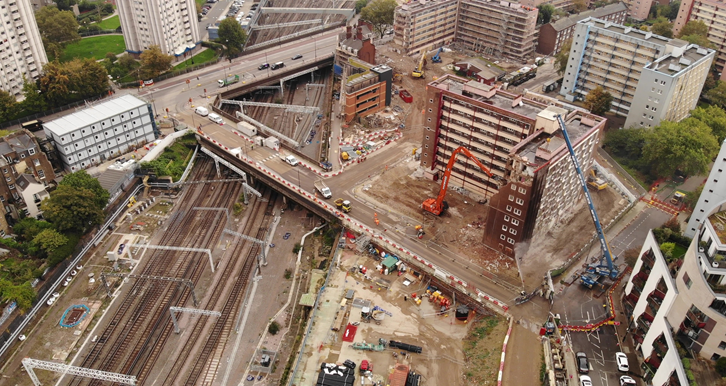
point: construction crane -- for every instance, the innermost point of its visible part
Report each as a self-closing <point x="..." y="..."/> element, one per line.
<point x="437" y="57"/>
<point x="438" y="205"/>
<point x="418" y="72"/>
<point x="593" y="271"/>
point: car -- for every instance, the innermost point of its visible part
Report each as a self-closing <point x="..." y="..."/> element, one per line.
<point x="349" y="364"/>
<point x="204" y="13"/>
<point x="55" y="295"/>
<point x="585" y="380"/>
<point x="291" y="160"/>
<point x="626" y="380"/>
<point x="121" y="248"/>
<point x="622" y="361"/>
<point x="582" y="366"/>
<point x="50" y="301"/>
<point x="248" y="17"/>
<point x="263" y="66"/>
<point x="215" y="118"/>
<point x="296" y="57"/>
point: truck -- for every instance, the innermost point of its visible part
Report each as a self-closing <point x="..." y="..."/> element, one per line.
<point x="323" y="189"/>
<point x="228" y="80"/>
<point x="343" y="205"/>
<point x="246" y="129"/>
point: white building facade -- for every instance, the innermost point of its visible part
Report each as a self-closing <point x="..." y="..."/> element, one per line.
<point x="713" y="195"/>
<point x="21" y="48"/>
<point x="172" y="25"/>
<point x="98" y="133"/>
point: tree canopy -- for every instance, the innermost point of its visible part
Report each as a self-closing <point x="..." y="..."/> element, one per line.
<point x="563" y="56"/>
<point x="687" y="146"/>
<point x="83" y="180"/>
<point x="580" y="5"/>
<point x="49" y="240"/>
<point x="233" y="36"/>
<point x="380" y="14"/>
<point x="598" y="101"/>
<point x="360" y="4"/>
<point x="72" y="209"/>
<point x="8" y="106"/>
<point x="694" y="27"/>
<point x="154" y="62"/>
<point x="56" y="26"/>
<point x="715" y="118"/>
<point x="23" y="294"/>
<point x="545" y="13"/>
<point x="77" y="79"/>
<point x="662" y="27"/>
<point x="717" y="95"/>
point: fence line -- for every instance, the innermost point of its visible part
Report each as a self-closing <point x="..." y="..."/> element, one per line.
<point x="172" y="74"/>
<point x="51" y="111"/>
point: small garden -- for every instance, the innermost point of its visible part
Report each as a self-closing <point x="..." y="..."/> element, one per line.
<point x="94" y="47"/>
<point x="173" y="160"/>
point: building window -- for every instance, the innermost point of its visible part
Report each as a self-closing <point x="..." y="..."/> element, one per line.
<point x="511" y="197"/>
<point x="506" y="218"/>
<point x="41" y="174"/>
<point x="502" y="237"/>
<point x="11" y="186"/>
<point x="715" y="357"/>
<point x="722" y="346"/>
<point x="517" y="212"/>
<point x="5" y="171"/>
<point x="512" y="231"/>
<point x="22" y="155"/>
<point x="515" y="222"/>
<point x="31" y="151"/>
<point x="510" y="240"/>
<point x="7" y="179"/>
<point x="504" y="228"/>
<point x="522" y="190"/>
<point x="689" y="282"/>
<point x="2" y="198"/>
<point x="509" y="208"/>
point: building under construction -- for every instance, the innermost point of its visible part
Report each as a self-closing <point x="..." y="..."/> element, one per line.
<point x="519" y="140"/>
<point x="424" y="25"/>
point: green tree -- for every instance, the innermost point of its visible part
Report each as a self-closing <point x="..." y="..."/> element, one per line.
<point x="111" y="57"/>
<point x="694" y="27"/>
<point x="49" y="240"/>
<point x="88" y="77"/>
<point x="545" y="13"/>
<point x="8" y="106"/>
<point x="23" y="295"/>
<point x="715" y="118"/>
<point x="598" y="101"/>
<point x="563" y="56"/>
<point x="233" y="36"/>
<point x="273" y="328"/>
<point x="667" y="249"/>
<point x="692" y="197"/>
<point x="360" y="4"/>
<point x="698" y="39"/>
<point x="72" y="209"/>
<point x="127" y="62"/>
<point x="717" y="95"/>
<point x="662" y="27"/>
<point x="29" y="227"/>
<point x="65" y="5"/>
<point x="154" y="62"/>
<point x="55" y="83"/>
<point x="83" y="180"/>
<point x="380" y="14"/>
<point x="687" y="146"/>
<point x="721" y="366"/>
<point x="675" y="6"/>
<point x="579" y="5"/>
<point x="56" y="26"/>
<point x="34" y="101"/>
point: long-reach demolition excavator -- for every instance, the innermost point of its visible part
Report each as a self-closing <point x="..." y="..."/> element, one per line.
<point x="438" y="205"/>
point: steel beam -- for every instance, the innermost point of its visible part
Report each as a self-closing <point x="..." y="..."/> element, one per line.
<point x="266" y="129"/>
<point x="184" y="281"/>
<point x="219" y="160"/>
<point x="32" y="364"/>
<point x="174" y="310"/>
<point x="291" y="108"/>
<point x="179" y="249"/>
<point x="283" y="25"/>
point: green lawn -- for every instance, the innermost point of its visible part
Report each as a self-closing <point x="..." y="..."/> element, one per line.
<point x="203" y="57"/>
<point x="110" y="23"/>
<point x="94" y="47"/>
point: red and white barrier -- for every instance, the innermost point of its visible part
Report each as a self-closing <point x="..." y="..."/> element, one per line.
<point x="504" y="352"/>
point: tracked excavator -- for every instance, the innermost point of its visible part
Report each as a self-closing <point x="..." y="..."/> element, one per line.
<point x="437" y="205"/>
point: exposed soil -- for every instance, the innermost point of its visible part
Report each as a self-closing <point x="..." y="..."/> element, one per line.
<point x="483" y="349"/>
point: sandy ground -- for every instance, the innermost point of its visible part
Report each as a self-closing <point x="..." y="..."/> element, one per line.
<point x="440" y="336"/>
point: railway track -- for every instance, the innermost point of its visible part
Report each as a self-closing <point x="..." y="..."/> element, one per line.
<point x="126" y="337"/>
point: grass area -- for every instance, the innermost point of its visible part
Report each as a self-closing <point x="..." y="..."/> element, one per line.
<point x="200" y="58"/>
<point x="200" y="2"/>
<point x="679" y="251"/>
<point x="110" y="23"/>
<point x="174" y="158"/>
<point x="483" y="350"/>
<point x="94" y="47"/>
<point x="633" y="173"/>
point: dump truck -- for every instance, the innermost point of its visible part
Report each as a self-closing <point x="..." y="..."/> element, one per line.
<point x="323" y="189"/>
<point x="343" y="205"/>
<point x="228" y="80"/>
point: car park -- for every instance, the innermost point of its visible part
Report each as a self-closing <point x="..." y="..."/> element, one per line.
<point x="622" y="361"/>
<point x="585" y="380"/>
<point x="296" y="57"/>
<point x="626" y="380"/>
<point x="582" y="366"/>
<point x="291" y="160"/>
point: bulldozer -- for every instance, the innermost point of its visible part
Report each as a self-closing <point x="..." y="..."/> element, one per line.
<point x="343" y="205"/>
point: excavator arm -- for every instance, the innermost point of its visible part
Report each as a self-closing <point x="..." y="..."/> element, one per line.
<point x="436" y="206"/>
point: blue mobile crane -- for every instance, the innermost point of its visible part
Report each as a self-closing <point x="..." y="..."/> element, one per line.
<point x="594" y="271"/>
<point x="437" y="58"/>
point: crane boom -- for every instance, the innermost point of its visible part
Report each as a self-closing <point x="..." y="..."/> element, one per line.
<point x="607" y="255"/>
<point x="436" y="206"/>
<point x="418" y="72"/>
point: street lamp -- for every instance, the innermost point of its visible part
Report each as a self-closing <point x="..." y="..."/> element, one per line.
<point x="298" y="178"/>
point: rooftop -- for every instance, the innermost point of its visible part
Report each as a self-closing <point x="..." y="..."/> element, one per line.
<point x="490" y="95"/>
<point x="567" y="22"/>
<point x="673" y="64"/>
<point x="414" y="6"/>
<point x="718" y="221"/>
<point x="626" y="31"/>
<point x="485" y="70"/>
<point x="16" y="143"/>
<point x="93" y="114"/>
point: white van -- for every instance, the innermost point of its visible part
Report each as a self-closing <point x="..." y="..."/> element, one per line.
<point x="215" y="118"/>
<point x="202" y="111"/>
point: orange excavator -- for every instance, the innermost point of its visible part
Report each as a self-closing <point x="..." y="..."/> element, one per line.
<point x="438" y="205"/>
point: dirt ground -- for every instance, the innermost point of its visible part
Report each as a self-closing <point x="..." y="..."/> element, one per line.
<point x="441" y="336"/>
<point x="551" y="249"/>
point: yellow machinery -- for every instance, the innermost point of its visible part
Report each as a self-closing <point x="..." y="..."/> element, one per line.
<point x="419" y="71"/>
<point x="131" y="203"/>
<point x="343" y="205"/>
<point x="596" y="182"/>
<point x="678" y="197"/>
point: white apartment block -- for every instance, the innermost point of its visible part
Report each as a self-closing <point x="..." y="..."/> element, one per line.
<point x="713" y="195"/>
<point x="713" y="14"/>
<point x="101" y="132"/>
<point x="172" y="25"/>
<point x="669" y="87"/>
<point x="616" y="57"/>
<point x="649" y="296"/>
<point x="425" y="24"/>
<point x="21" y="48"/>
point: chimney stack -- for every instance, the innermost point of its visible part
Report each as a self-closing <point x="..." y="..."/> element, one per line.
<point x="359" y="35"/>
<point x="348" y="32"/>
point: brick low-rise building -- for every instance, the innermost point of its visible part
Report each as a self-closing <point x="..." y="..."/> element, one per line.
<point x="480" y="70"/>
<point x="366" y="92"/>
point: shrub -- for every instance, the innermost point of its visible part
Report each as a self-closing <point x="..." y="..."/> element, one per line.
<point x="273" y="328"/>
<point x="721" y="366"/>
<point x="288" y="274"/>
<point x="296" y="248"/>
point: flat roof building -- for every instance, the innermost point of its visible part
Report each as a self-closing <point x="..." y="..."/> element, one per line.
<point x="22" y="54"/>
<point x="518" y="139"/>
<point x="616" y="57"/>
<point x="101" y="132"/>
<point x="171" y="25"/>
<point x="425" y="24"/>
<point x="713" y="14"/>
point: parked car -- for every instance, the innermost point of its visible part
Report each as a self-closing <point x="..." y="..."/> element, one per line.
<point x="50" y="301"/>
<point x="291" y="160"/>
<point x="622" y="361"/>
<point x="121" y="249"/>
<point x="582" y="366"/>
<point x="296" y="57"/>
<point x="626" y="380"/>
<point x="349" y="364"/>
<point x="585" y="380"/>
